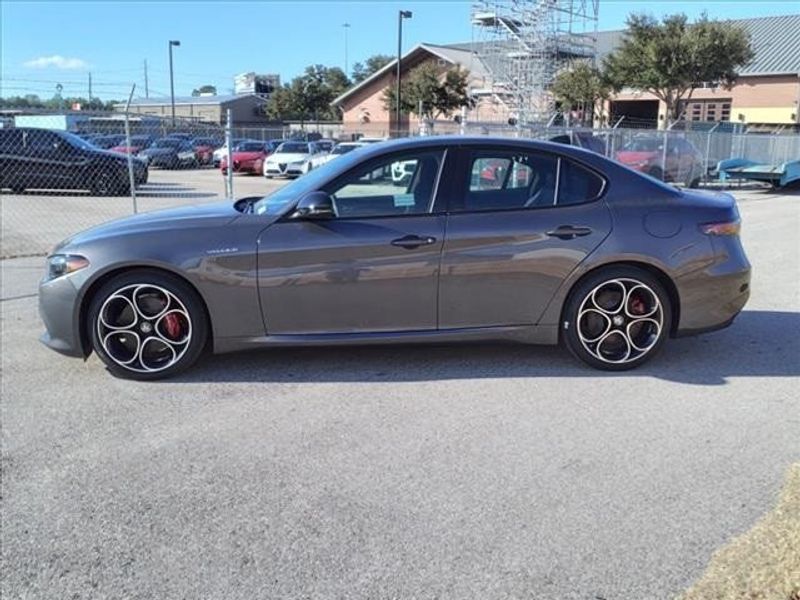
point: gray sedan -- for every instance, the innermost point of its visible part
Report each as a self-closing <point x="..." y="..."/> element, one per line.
<point x="486" y="239"/>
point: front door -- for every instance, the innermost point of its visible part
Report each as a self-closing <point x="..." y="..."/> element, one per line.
<point x="522" y="223"/>
<point x="373" y="267"/>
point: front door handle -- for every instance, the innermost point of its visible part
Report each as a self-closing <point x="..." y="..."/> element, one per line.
<point x="413" y="241"/>
<point x="568" y="232"/>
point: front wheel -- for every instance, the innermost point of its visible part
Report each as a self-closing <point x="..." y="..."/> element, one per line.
<point x="617" y="318"/>
<point x="147" y="325"/>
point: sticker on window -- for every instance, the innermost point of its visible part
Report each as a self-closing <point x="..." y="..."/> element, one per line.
<point x="401" y="200"/>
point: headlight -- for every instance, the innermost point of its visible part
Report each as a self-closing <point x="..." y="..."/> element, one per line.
<point x="59" y="265"/>
<point x="299" y="163"/>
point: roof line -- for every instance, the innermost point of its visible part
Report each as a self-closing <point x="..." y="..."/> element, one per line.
<point x="386" y="68"/>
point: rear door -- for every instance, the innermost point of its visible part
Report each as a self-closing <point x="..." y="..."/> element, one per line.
<point x="521" y="222"/>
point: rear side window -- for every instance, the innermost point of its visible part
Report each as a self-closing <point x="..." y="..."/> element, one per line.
<point x="509" y="180"/>
<point x="10" y="141"/>
<point x="577" y="184"/>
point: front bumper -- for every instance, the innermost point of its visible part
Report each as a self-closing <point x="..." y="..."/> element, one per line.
<point x="57" y="308"/>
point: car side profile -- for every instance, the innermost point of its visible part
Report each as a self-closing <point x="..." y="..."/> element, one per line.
<point x="679" y="162"/>
<point x="44" y="159"/>
<point x="489" y="239"/>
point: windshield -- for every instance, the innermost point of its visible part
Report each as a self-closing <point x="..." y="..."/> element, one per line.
<point x="78" y="141"/>
<point x="292" y="148"/>
<point x="167" y="143"/>
<point x="250" y="147"/>
<point x="343" y="148"/>
<point x="644" y="145"/>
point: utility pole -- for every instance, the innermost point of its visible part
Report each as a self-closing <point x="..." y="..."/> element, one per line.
<point x="90" y="87"/>
<point x="346" y="63"/>
<point x="172" y="79"/>
<point x="403" y="14"/>
<point x="146" y="88"/>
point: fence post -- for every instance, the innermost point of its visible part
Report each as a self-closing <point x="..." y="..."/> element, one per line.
<point x="229" y="145"/>
<point x="708" y="151"/>
<point x="131" y="177"/>
<point x="664" y="156"/>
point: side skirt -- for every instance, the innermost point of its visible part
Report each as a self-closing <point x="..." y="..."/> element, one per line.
<point x="525" y="334"/>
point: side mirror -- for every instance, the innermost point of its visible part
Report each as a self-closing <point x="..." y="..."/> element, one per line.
<point x="316" y="205"/>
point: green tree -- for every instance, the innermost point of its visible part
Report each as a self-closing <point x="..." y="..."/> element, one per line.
<point x="430" y="93"/>
<point x="581" y="86"/>
<point x="374" y="63"/>
<point x="309" y="96"/>
<point x="671" y="58"/>
<point x="205" y="89"/>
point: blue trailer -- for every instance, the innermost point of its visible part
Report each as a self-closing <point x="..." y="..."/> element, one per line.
<point x="778" y="175"/>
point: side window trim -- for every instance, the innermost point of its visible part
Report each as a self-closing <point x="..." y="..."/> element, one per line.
<point x="558" y="180"/>
<point x="443" y="154"/>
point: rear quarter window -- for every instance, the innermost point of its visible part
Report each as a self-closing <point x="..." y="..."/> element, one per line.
<point x="577" y="184"/>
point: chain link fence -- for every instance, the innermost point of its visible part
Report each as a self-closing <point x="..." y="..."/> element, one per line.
<point x="61" y="173"/>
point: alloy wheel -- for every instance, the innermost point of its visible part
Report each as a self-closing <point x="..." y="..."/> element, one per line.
<point x="620" y="321"/>
<point x="144" y="328"/>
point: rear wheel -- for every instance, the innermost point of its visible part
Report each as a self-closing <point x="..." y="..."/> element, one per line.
<point x="617" y="319"/>
<point x="147" y="325"/>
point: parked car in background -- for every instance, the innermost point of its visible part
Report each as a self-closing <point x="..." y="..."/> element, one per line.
<point x="170" y="153"/>
<point x="106" y="142"/>
<point x="340" y="149"/>
<point x="222" y="151"/>
<point x="371" y="140"/>
<point x="204" y="149"/>
<point x="249" y="157"/>
<point x="138" y="143"/>
<point x="680" y="163"/>
<point x="180" y="136"/>
<point x="325" y="145"/>
<point x="292" y="159"/>
<point x="46" y="159"/>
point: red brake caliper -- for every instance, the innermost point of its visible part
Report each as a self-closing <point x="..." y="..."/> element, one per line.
<point x="173" y="326"/>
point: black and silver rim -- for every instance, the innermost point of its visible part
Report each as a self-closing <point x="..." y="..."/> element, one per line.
<point x="620" y="321"/>
<point x="144" y="328"/>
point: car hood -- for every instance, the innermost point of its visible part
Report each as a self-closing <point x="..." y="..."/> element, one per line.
<point x="184" y="217"/>
<point x="287" y="157"/>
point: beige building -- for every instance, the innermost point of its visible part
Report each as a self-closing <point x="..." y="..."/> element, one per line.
<point x="766" y="94"/>
<point x="246" y="109"/>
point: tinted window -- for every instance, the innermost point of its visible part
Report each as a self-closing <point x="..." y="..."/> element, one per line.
<point x="577" y="184"/>
<point x="10" y="140"/>
<point x="507" y="180"/>
<point x="293" y="148"/>
<point x="251" y="147"/>
<point x="393" y="185"/>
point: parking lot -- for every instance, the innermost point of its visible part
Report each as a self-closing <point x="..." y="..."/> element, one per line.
<point x="485" y="471"/>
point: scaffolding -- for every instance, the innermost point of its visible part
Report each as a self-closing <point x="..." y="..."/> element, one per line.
<point x="524" y="43"/>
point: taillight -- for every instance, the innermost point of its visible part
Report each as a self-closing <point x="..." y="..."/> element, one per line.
<point x="725" y="228"/>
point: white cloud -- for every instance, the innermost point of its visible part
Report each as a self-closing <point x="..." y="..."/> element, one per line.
<point x="58" y="62"/>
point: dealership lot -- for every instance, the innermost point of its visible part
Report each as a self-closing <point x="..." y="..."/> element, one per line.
<point x="483" y="471"/>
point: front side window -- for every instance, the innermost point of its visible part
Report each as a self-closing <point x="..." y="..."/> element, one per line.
<point x="400" y="184"/>
<point x="508" y="180"/>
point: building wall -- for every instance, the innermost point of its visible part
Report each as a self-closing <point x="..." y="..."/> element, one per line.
<point x="758" y="100"/>
<point x="243" y="111"/>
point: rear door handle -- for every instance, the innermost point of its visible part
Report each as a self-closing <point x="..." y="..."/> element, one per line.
<point x="568" y="232"/>
<point x="413" y="241"/>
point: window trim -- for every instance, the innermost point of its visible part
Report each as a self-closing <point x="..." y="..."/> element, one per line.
<point x="443" y="152"/>
<point x="466" y="167"/>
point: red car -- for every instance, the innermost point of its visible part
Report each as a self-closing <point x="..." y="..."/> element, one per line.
<point x="138" y="143"/>
<point x="249" y="157"/>
<point x="681" y="163"/>
<point x="204" y="149"/>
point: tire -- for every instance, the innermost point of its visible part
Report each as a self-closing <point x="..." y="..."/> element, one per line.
<point x="617" y="318"/>
<point x="158" y="311"/>
<point x="107" y="183"/>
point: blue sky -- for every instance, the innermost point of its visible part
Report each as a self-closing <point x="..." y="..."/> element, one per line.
<point x="44" y="43"/>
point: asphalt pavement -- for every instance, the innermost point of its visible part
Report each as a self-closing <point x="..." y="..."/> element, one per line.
<point x="484" y="471"/>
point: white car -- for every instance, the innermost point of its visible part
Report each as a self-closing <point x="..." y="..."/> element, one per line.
<point x="293" y="159"/>
<point x="341" y="148"/>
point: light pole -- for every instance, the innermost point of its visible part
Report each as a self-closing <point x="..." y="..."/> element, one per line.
<point x="403" y="14"/>
<point x="346" y="65"/>
<point x="172" y="79"/>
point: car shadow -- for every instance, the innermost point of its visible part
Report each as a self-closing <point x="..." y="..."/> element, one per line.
<point x="758" y="344"/>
